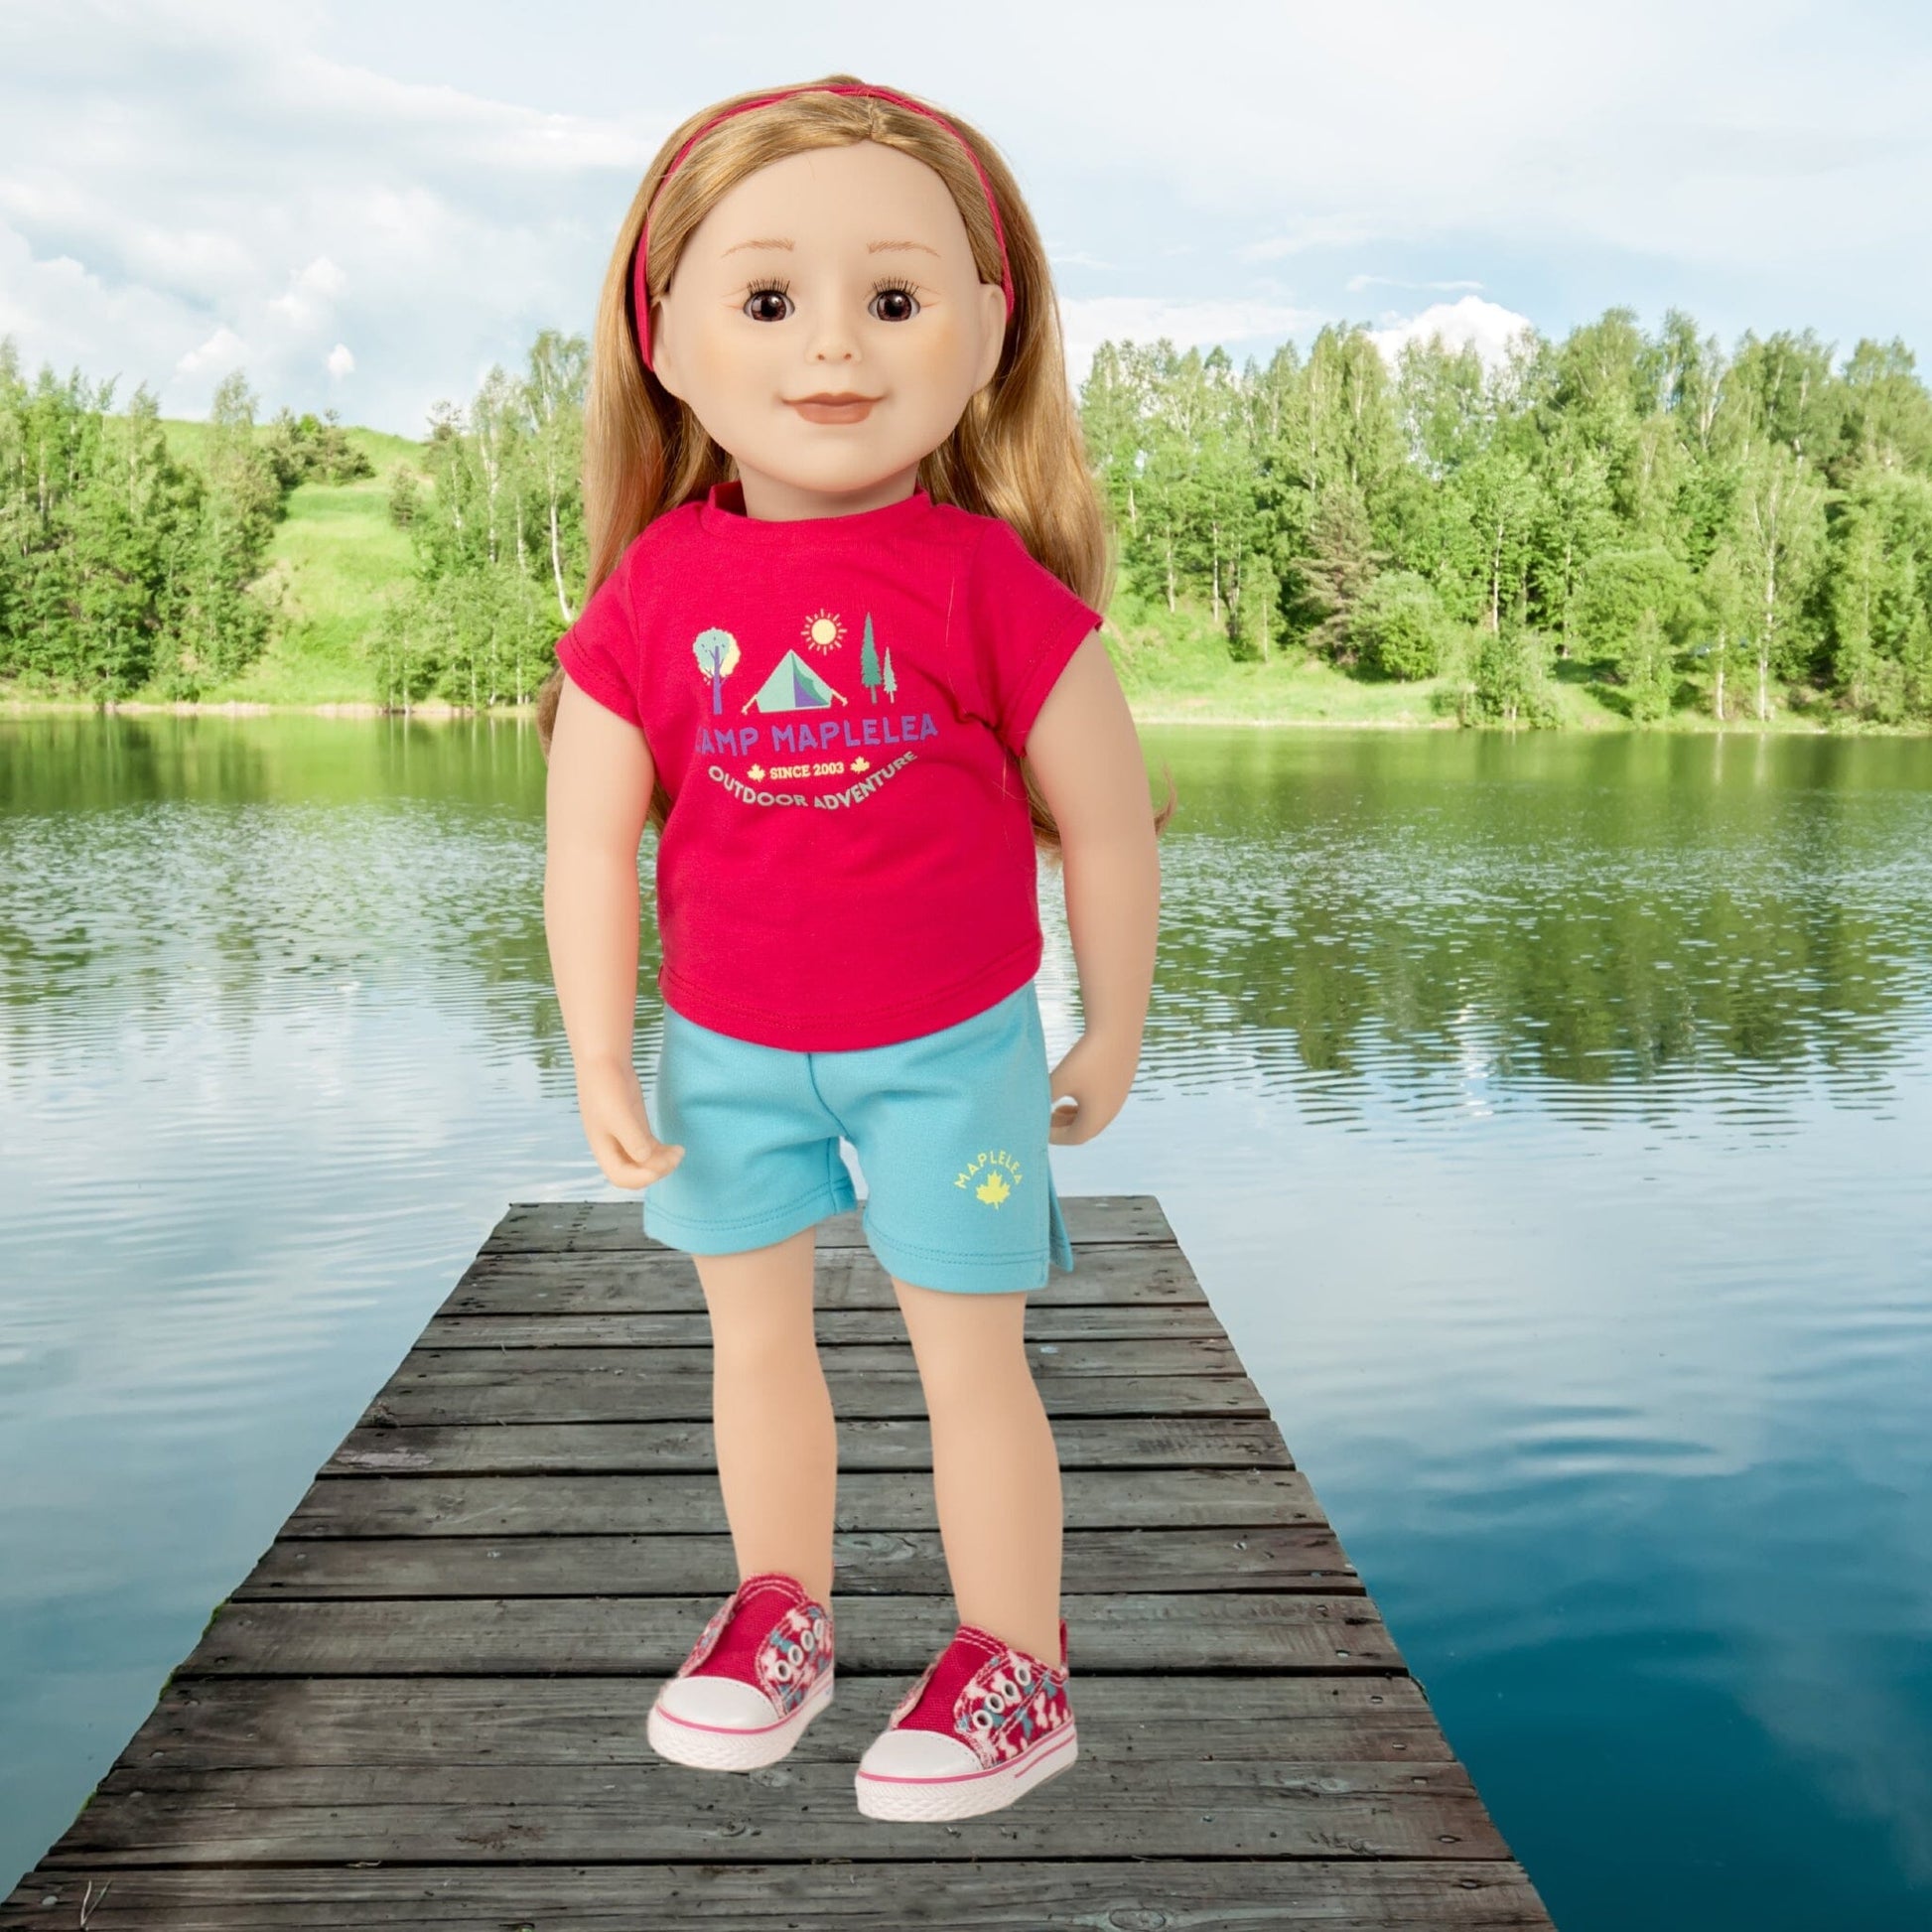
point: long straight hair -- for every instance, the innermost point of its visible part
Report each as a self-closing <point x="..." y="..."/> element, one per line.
<point x="1016" y="453"/>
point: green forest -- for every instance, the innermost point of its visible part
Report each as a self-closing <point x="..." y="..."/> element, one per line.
<point x="1618" y="529"/>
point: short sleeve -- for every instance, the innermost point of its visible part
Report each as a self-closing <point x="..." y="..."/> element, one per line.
<point x="599" y="652"/>
<point x="1026" y="623"/>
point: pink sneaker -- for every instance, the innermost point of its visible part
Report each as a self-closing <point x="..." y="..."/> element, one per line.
<point x="984" y="1725"/>
<point x="758" y="1673"/>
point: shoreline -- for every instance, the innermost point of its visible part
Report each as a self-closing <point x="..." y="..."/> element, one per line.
<point x="439" y="710"/>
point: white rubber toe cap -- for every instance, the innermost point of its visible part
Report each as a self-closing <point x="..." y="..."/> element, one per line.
<point x="917" y="1755"/>
<point x="723" y="1702"/>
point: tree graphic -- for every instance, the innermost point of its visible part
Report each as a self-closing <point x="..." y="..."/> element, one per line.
<point x="869" y="675"/>
<point x="717" y="653"/>
<point x="891" y="677"/>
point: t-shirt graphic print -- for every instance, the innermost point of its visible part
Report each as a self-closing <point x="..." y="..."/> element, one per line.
<point x="794" y="687"/>
<point x="837" y="707"/>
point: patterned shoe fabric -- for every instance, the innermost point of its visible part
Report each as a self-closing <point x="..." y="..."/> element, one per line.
<point x="985" y="1722"/>
<point x="770" y="1632"/>
<point x="759" y="1673"/>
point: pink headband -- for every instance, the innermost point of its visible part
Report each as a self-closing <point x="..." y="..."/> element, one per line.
<point x="639" y="290"/>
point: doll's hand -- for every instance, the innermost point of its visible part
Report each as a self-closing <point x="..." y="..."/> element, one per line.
<point x="619" y="1128"/>
<point x="1096" y="1074"/>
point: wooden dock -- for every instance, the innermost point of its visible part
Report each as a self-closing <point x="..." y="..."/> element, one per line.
<point x="425" y="1707"/>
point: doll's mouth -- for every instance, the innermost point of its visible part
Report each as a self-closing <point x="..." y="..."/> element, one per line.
<point x="842" y="408"/>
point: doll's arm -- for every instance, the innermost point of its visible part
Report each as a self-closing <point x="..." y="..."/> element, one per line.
<point x="597" y="795"/>
<point x="1085" y="756"/>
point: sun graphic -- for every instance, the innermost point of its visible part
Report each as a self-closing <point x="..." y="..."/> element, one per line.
<point x="824" y="631"/>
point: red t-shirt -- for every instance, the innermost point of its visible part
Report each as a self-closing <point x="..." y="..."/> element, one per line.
<point x="836" y="706"/>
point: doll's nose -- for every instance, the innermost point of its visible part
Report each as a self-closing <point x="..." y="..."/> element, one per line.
<point x="832" y="341"/>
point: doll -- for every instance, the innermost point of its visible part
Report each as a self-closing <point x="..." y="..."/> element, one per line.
<point x="842" y="650"/>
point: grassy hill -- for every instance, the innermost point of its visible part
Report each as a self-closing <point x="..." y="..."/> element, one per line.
<point x="330" y="563"/>
<point x="1174" y="668"/>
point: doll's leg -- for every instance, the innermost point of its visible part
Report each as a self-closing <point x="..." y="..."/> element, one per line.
<point x="771" y="1413"/>
<point x="996" y="1474"/>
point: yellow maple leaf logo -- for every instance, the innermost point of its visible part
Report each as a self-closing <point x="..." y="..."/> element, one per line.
<point x="861" y="765"/>
<point x="993" y="1189"/>
<point x="756" y="773"/>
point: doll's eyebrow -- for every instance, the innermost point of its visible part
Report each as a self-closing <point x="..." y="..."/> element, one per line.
<point x="780" y="241"/>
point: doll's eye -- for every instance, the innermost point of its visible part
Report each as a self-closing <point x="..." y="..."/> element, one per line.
<point x="902" y="297"/>
<point x="758" y="292"/>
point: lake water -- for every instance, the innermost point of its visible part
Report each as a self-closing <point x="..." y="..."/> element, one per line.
<point x="1549" y="1120"/>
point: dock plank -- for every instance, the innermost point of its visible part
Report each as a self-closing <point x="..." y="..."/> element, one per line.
<point x="579" y="1227"/>
<point x="481" y="1385"/>
<point x="900" y="1563"/>
<point x="1114" y="1277"/>
<point x="1198" y="1808"/>
<point x="837" y="1327"/>
<point x="1338" y="1895"/>
<point x="234" y="1723"/>
<point x="592" y="1505"/>
<point x="1200" y="1630"/>
<point x="865" y="1444"/>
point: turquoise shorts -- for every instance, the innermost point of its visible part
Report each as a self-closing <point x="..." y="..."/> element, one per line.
<point x="950" y="1128"/>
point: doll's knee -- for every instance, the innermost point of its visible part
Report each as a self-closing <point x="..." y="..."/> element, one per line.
<point x="964" y="1344"/>
<point x="761" y="1301"/>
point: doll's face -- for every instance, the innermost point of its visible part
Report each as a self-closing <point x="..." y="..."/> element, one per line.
<point x="783" y="293"/>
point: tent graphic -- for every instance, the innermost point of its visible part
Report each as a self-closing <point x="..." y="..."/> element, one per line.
<point x="793" y="686"/>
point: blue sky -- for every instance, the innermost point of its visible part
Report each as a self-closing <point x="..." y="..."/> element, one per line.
<point x="364" y="203"/>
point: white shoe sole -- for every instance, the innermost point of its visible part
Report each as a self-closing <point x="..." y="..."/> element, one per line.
<point x="966" y="1794"/>
<point x="720" y="1748"/>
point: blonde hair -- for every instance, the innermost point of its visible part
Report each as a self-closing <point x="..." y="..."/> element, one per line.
<point x="1018" y="452"/>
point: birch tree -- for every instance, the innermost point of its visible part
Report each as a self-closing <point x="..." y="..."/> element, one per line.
<point x="554" y="391"/>
<point x="1780" y="533"/>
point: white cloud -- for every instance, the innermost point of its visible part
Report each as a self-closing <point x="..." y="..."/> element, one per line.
<point x="340" y="361"/>
<point x="213" y="359"/>
<point x="1489" y="325"/>
<point x="310" y="294"/>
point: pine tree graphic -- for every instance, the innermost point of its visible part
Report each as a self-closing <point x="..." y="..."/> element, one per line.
<point x="869" y="675"/>
<point x="891" y="677"/>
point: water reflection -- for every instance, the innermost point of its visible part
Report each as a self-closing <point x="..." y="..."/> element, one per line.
<point x="1586" y="927"/>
